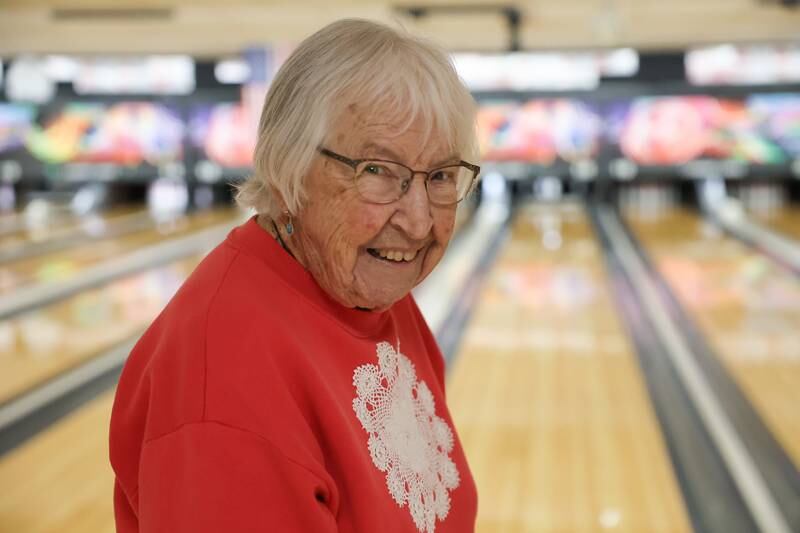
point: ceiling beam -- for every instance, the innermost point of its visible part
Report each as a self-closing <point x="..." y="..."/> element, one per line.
<point x="206" y="29"/>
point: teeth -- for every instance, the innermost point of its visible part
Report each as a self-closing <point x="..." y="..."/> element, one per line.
<point x="397" y="255"/>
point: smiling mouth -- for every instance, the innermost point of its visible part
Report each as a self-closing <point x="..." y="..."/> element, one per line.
<point x="393" y="256"/>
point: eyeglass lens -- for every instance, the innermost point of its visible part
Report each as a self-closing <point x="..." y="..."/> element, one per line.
<point x="384" y="182"/>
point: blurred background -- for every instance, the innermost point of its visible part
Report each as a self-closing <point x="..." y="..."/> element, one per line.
<point x="619" y="307"/>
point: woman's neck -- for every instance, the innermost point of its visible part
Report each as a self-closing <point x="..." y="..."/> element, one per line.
<point x="269" y="225"/>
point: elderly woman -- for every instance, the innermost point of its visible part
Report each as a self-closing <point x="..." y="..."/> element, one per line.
<point x="292" y="383"/>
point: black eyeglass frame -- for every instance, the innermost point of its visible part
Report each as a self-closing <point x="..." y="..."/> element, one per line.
<point x="353" y="163"/>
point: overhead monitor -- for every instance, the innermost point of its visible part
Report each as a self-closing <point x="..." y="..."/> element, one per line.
<point x="540" y="131"/>
<point x="648" y="131"/>
<point x="223" y="134"/>
<point x="675" y="130"/>
<point x="124" y="134"/>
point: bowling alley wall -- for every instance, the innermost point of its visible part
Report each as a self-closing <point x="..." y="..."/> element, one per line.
<point x="581" y="116"/>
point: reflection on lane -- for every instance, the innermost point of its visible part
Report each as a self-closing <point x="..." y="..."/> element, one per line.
<point x="63" y="265"/>
<point x="40" y="344"/>
<point x="548" y="396"/>
<point x="46" y="226"/>
<point x="748" y="308"/>
<point x="785" y="221"/>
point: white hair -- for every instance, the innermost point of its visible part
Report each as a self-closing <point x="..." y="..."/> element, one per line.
<point x="351" y="61"/>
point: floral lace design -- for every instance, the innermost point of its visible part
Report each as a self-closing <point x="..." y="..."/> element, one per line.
<point x="407" y="440"/>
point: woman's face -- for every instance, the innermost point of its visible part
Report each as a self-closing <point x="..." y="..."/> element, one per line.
<point x="340" y="238"/>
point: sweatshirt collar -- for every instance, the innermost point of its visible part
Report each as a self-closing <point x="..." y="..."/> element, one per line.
<point x="253" y="240"/>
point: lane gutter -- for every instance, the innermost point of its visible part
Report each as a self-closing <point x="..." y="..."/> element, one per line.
<point x="451" y="331"/>
<point x="26" y="415"/>
<point x="726" y="491"/>
<point x="780" y="474"/>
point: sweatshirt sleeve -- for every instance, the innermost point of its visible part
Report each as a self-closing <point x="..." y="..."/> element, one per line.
<point x="208" y="477"/>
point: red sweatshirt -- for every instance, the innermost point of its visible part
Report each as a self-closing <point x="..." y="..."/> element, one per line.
<point x="256" y="403"/>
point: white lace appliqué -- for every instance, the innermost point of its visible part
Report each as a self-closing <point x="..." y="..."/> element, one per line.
<point x="407" y="440"/>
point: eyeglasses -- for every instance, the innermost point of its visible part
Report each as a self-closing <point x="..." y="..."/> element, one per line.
<point x="383" y="182"/>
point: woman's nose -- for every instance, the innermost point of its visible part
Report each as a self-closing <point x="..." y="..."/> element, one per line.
<point x="414" y="213"/>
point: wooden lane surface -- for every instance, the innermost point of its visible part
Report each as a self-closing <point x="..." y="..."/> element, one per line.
<point x="62" y="223"/>
<point x="61" y="480"/>
<point x="549" y="399"/>
<point x="748" y="309"/>
<point x="785" y="221"/>
<point x="64" y="264"/>
<point x="9" y="219"/>
<point x="42" y="343"/>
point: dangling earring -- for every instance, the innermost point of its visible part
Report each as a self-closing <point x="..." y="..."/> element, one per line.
<point x="289" y="226"/>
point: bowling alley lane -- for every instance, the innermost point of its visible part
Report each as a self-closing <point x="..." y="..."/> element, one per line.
<point x="747" y="307"/>
<point x="64" y="264"/>
<point x="47" y="226"/>
<point x="785" y="221"/>
<point x="40" y="344"/>
<point x="9" y="220"/>
<point x="548" y="396"/>
<point x="61" y="481"/>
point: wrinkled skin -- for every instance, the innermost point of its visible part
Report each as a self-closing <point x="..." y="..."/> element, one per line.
<point x="335" y="227"/>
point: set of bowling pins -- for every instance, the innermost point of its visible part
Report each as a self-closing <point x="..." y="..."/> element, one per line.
<point x="648" y="200"/>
